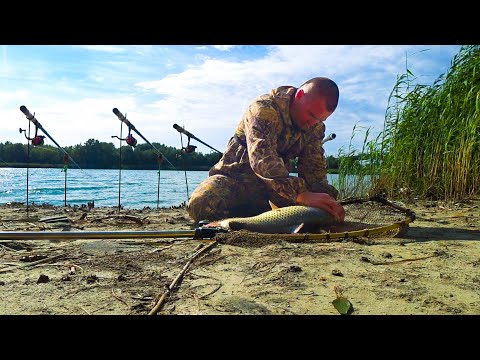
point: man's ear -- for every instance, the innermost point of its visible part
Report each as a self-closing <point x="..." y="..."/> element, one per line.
<point x="299" y="94"/>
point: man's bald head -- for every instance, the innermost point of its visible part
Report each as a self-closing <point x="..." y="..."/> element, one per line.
<point x="324" y="87"/>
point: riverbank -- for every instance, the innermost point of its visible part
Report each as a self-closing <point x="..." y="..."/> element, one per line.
<point x="430" y="269"/>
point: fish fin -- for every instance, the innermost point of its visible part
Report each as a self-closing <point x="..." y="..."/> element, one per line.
<point x="225" y="224"/>
<point x="298" y="229"/>
<point x="272" y="205"/>
<point x="212" y="224"/>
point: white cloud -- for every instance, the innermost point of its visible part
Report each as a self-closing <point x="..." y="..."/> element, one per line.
<point x="103" y="48"/>
<point x="208" y="94"/>
<point x="224" y="47"/>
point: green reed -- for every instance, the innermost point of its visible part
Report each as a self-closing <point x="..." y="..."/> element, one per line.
<point x="430" y="143"/>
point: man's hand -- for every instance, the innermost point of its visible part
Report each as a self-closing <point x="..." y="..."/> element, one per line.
<point x="322" y="201"/>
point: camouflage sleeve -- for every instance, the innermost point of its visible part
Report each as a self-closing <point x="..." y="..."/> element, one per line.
<point x="312" y="164"/>
<point x="262" y="125"/>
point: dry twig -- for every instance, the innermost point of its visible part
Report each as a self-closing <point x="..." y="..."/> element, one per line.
<point x="399" y="261"/>
<point x="160" y="249"/>
<point x="8" y="248"/>
<point x="160" y="302"/>
<point x="81" y="307"/>
<point x="118" y="298"/>
<point x="211" y="292"/>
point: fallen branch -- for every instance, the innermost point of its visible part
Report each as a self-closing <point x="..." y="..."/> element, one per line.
<point x="160" y="302"/>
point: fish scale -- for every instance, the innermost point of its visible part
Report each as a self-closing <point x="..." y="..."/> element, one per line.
<point x="281" y="220"/>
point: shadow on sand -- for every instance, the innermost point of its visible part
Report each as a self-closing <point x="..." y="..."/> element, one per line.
<point x="446" y="233"/>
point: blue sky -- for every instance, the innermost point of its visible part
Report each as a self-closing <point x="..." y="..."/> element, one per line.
<point x="72" y="89"/>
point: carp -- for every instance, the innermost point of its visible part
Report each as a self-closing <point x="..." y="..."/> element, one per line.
<point x="288" y="219"/>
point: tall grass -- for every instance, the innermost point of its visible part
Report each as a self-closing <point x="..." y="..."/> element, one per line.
<point x="430" y="143"/>
<point x="354" y="176"/>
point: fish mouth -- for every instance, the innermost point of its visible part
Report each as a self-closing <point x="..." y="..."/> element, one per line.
<point x="225" y="224"/>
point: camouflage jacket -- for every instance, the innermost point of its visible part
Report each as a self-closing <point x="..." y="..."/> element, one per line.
<point x="266" y="140"/>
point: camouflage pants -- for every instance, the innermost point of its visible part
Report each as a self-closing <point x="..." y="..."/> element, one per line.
<point x="219" y="197"/>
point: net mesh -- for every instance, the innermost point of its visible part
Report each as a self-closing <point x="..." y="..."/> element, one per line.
<point x="369" y="214"/>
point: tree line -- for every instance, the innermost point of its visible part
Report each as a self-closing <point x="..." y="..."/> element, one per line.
<point x="94" y="154"/>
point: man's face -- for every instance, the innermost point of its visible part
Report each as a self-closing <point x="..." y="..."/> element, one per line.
<point x="309" y="110"/>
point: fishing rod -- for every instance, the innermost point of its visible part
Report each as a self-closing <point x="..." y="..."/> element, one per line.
<point x="124" y="119"/>
<point x="133" y="142"/>
<point x="190" y="148"/>
<point x="197" y="233"/>
<point x="38" y="139"/>
<point x="328" y="138"/>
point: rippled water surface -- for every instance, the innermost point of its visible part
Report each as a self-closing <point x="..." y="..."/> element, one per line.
<point x="138" y="188"/>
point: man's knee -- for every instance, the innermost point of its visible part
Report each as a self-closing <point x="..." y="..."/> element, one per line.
<point x="207" y="204"/>
<point x="198" y="209"/>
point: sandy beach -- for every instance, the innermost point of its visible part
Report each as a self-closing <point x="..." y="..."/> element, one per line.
<point x="433" y="268"/>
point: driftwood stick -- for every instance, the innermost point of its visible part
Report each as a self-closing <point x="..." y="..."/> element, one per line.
<point x="42" y="261"/>
<point x="160" y="302"/>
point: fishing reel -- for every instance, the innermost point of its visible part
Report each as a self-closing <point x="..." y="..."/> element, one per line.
<point x="37" y="140"/>
<point x="189" y="148"/>
<point x="129" y="139"/>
